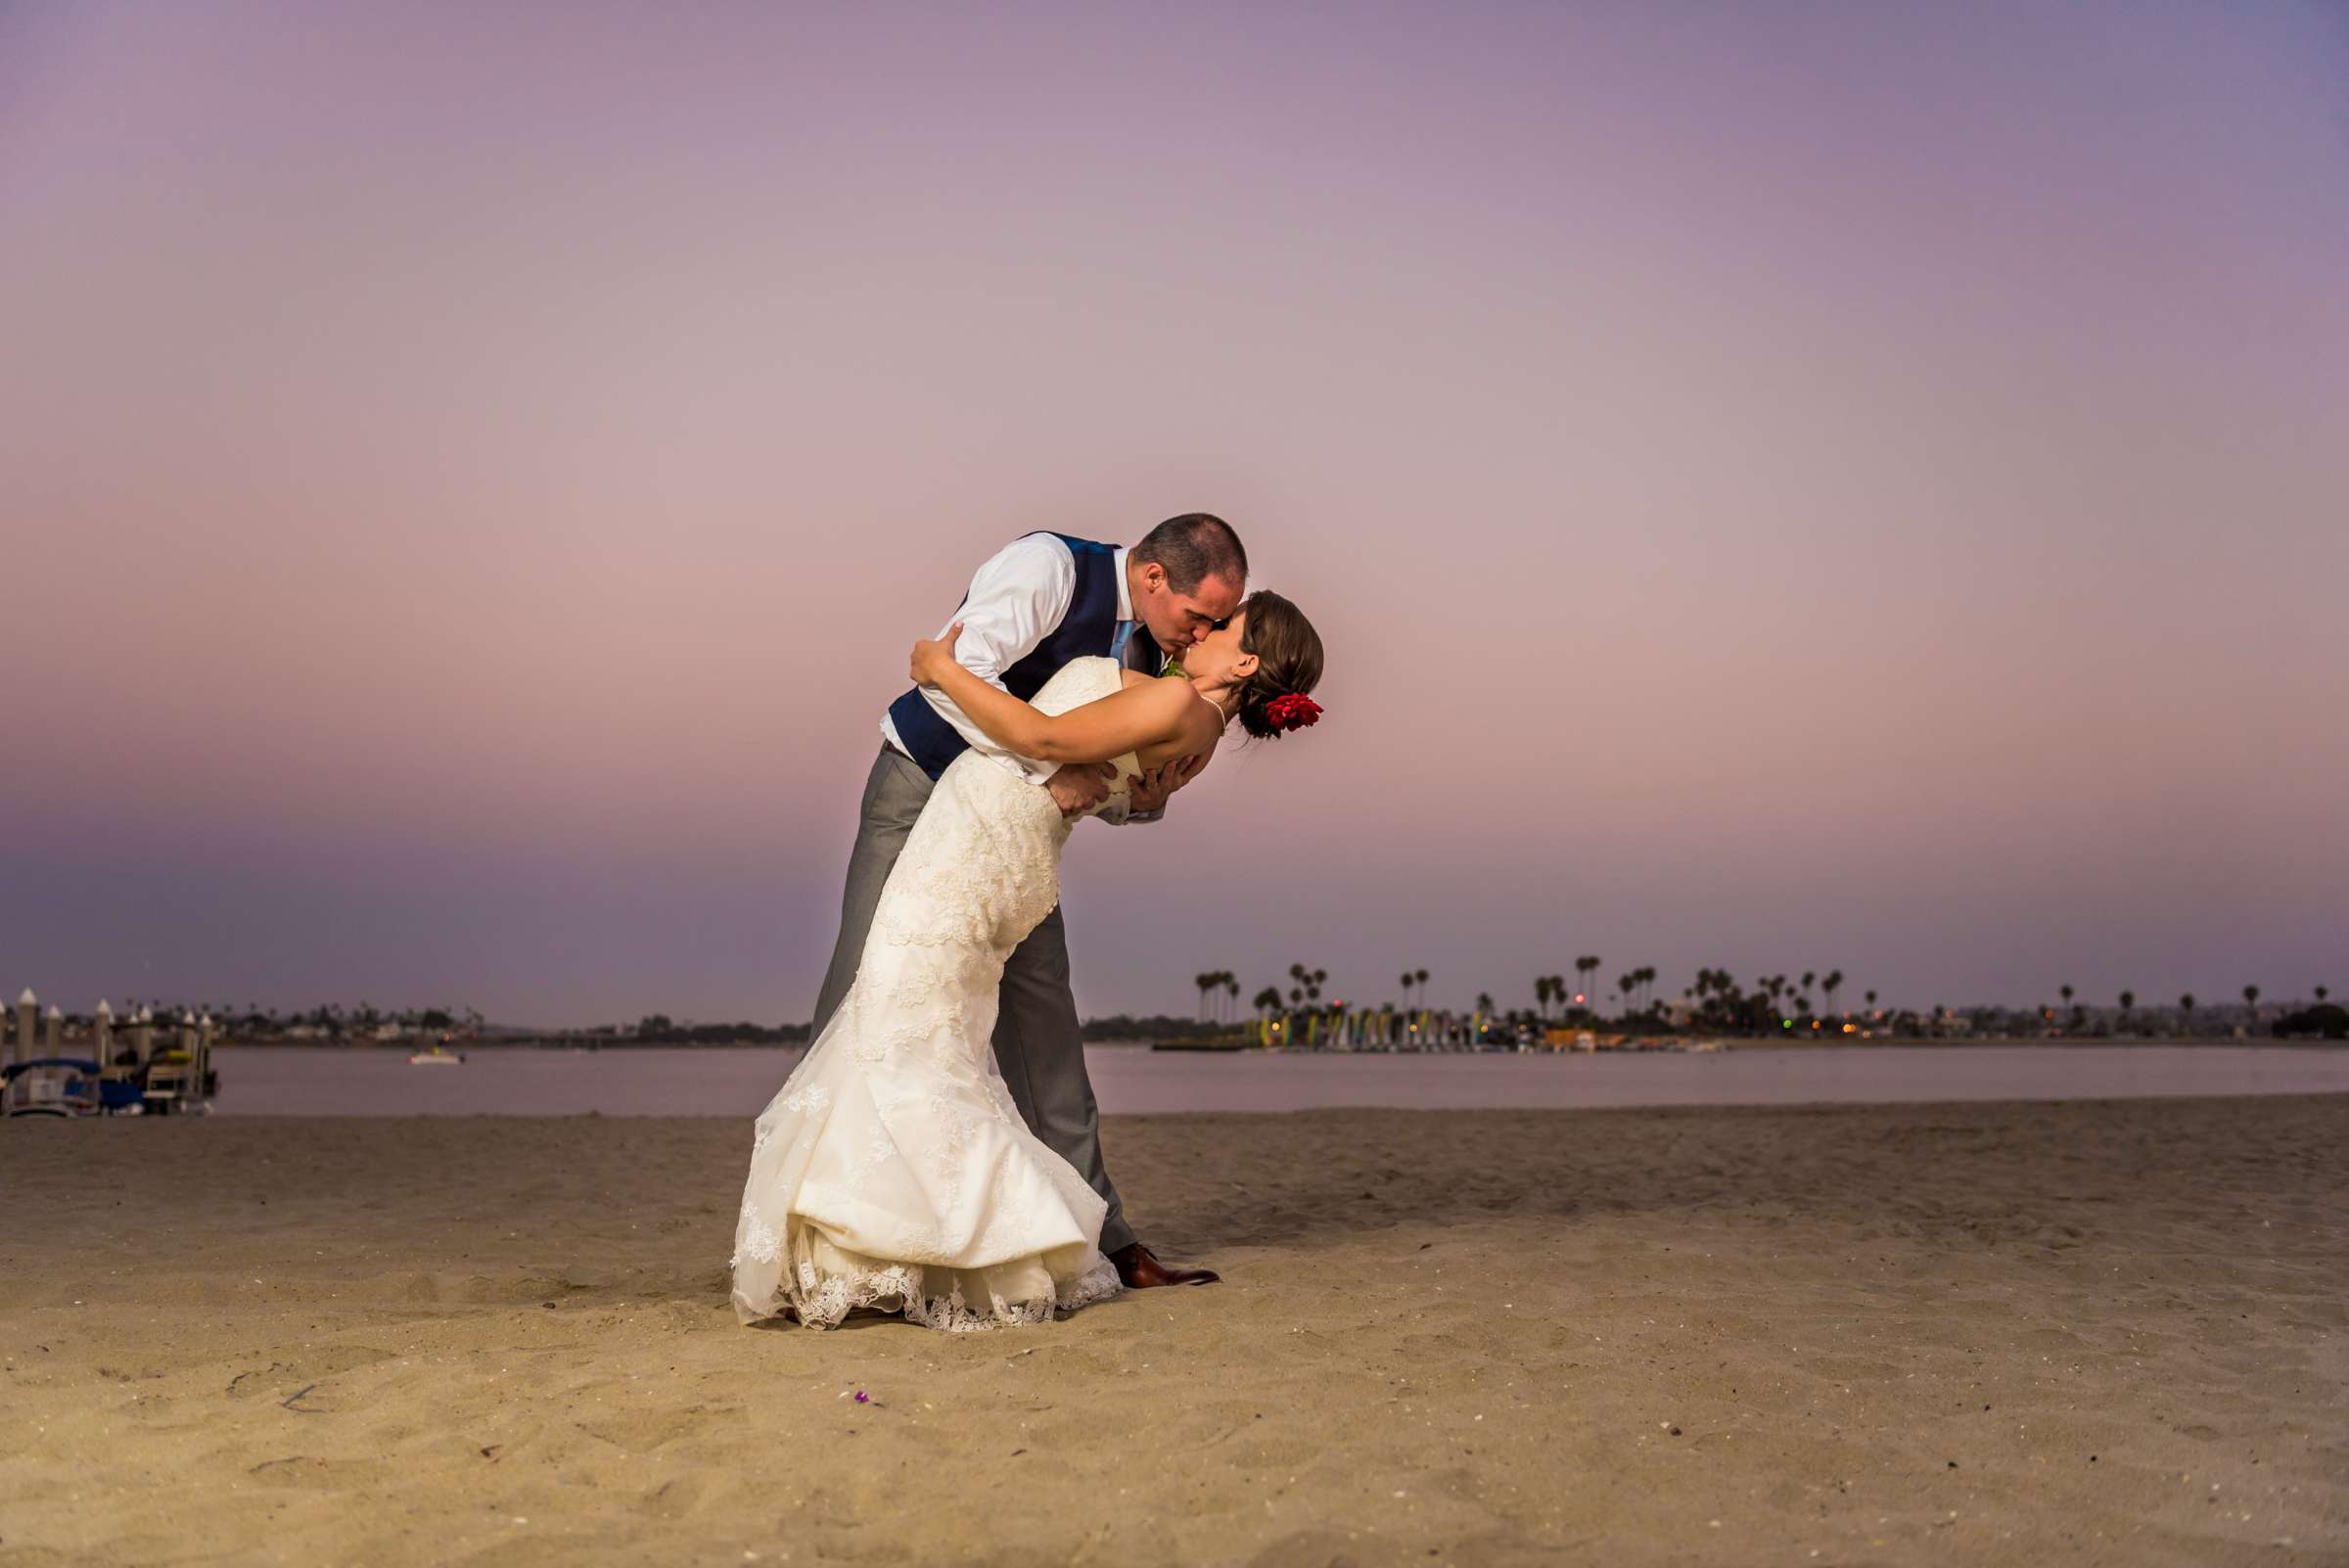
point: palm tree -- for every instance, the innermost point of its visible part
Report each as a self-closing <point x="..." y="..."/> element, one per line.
<point x="1483" y="1001"/>
<point x="1266" y="1002"/>
<point x="2323" y="991"/>
<point x="1542" y="996"/>
<point x="2251" y="1000"/>
<point x="1231" y="988"/>
<point x="1583" y="966"/>
<point x="1420" y="977"/>
<point x="2066" y="991"/>
<point x="1199" y="983"/>
<point x="1404" y="980"/>
<point x="1830" y="985"/>
<point x="2127" y="1001"/>
<point x="1872" y="1002"/>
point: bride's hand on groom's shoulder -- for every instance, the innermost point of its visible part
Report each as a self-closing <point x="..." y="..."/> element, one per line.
<point x="930" y="659"/>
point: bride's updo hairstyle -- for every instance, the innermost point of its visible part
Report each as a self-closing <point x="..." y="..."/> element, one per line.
<point x="1288" y="660"/>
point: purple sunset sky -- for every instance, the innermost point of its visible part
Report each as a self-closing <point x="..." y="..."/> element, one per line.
<point x="1785" y="486"/>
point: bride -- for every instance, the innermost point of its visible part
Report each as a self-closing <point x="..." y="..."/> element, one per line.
<point x="892" y="1169"/>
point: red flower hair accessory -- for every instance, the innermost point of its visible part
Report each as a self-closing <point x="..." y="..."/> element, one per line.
<point x="1295" y="711"/>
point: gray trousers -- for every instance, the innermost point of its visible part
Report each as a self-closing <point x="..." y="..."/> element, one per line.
<point x="1037" y="1040"/>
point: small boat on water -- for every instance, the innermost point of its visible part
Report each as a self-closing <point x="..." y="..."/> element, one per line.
<point x="436" y="1056"/>
<point x="52" y="1085"/>
<point x="65" y="1085"/>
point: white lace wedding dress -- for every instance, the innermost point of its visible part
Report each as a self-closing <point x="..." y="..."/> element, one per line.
<point x="892" y="1169"/>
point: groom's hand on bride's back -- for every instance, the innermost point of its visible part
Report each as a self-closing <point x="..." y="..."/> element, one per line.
<point x="1079" y="786"/>
<point x="1152" y="785"/>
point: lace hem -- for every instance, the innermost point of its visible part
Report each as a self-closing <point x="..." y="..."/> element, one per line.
<point x="825" y="1300"/>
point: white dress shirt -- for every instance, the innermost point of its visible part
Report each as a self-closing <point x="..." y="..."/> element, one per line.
<point x="1017" y="598"/>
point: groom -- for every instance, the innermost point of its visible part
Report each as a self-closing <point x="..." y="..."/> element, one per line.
<point x="1035" y="605"/>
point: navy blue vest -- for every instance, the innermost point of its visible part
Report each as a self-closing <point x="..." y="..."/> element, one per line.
<point x="1088" y="627"/>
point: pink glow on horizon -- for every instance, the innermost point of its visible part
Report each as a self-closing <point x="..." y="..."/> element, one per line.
<point x="1855" y="491"/>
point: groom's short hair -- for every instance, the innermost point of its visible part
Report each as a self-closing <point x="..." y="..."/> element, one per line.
<point x="1193" y="547"/>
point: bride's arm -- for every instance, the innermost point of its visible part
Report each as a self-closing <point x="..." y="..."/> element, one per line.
<point x="1142" y="715"/>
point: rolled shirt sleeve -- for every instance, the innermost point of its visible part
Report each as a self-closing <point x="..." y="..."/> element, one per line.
<point x="1016" y="597"/>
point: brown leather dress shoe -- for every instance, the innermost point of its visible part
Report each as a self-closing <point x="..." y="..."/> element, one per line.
<point x="1141" y="1269"/>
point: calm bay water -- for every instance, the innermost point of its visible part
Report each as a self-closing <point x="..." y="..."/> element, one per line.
<point x="509" y="1081"/>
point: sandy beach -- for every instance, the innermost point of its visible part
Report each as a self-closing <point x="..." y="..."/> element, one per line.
<point x="2094" y="1332"/>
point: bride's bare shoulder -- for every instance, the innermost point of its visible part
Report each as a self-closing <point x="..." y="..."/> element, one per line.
<point x="1203" y="727"/>
<point x="1172" y="695"/>
<point x="1163" y="696"/>
<point x="1167" y="704"/>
